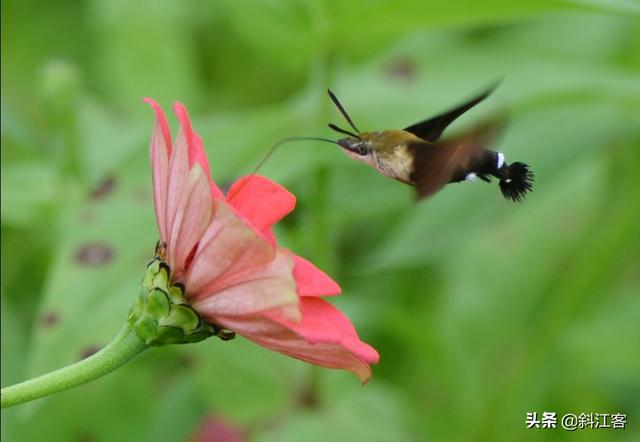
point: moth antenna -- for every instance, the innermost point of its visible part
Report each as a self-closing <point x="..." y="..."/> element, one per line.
<point x="342" y="110"/>
<point x="270" y="152"/>
<point x="343" y="131"/>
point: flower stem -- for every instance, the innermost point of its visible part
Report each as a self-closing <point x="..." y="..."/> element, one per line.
<point x="121" y="350"/>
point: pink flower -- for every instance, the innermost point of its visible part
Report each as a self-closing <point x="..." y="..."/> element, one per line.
<point x="223" y="250"/>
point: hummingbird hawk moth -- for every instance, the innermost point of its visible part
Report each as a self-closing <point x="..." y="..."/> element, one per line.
<point x="417" y="156"/>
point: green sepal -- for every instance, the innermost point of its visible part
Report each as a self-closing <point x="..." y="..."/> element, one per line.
<point x="161" y="278"/>
<point x="168" y="334"/>
<point x="176" y="293"/>
<point x="158" y="304"/>
<point x="161" y="314"/>
<point x="205" y="331"/>
<point x="184" y="316"/>
<point x="152" y="269"/>
<point x="146" y="328"/>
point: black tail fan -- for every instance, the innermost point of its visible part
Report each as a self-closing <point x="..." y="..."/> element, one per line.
<point x="516" y="180"/>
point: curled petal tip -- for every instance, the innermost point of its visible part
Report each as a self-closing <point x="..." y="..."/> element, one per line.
<point x="161" y="121"/>
<point x="373" y="357"/>
<point x="153" y="103"/>
<point x="195" y="146"/>
<point x="183" y="115"/>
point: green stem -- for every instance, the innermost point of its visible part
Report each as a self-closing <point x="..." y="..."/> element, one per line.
<point x="118" y="352"/>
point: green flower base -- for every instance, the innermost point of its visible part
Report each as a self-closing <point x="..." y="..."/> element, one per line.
<point x="161" y="314"/>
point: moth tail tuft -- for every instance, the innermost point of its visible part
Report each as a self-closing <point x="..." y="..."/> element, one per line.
<point x="516" y="180"/>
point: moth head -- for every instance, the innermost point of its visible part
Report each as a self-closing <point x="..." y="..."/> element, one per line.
<point x="355" y="147"/>
<point x="358" y="145"/>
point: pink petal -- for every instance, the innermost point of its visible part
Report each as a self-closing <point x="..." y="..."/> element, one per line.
<point x="159" y="150"/>
<point x="312" y="281"/>
<point x="260" y="200"/>
<point x="196" y="148"/>
<point x="227" y="248"/>
<point x="270" y="287"/>
<point x="324" y="337"/>
<point x="178" y="172"/>
<point x="161" y="122"/>
<point x="192" y="218"/>
<point x="268" y="233"/>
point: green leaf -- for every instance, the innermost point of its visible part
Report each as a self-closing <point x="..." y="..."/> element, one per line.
<point x="29" y="191"/>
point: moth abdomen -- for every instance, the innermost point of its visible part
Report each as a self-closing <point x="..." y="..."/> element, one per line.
<point x="516" y="179"/>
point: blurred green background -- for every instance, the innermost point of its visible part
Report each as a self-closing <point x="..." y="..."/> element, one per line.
<point x="482" y="310"/>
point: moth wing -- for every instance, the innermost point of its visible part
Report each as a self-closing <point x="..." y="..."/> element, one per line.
<point x="431" y="129"/>
<point x="434" y="165"/>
